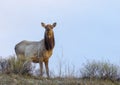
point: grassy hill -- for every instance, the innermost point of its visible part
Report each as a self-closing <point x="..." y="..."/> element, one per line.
<point x="12" y="79"/>
<point x="14" y="72"/>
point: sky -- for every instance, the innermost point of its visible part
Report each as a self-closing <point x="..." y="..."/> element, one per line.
<point x="86" y="29"/>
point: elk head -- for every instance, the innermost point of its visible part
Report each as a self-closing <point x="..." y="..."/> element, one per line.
<point x="49" y="35"/>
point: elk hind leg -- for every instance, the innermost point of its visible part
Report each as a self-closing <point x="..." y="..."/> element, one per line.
<point x="41" y="68"/>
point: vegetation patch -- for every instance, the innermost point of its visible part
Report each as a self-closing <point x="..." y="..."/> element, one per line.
<point x="15" y="72"/>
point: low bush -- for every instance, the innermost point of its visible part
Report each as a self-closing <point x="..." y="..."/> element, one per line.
<point x="103" y="70"/>
<point x="13" y="65"/>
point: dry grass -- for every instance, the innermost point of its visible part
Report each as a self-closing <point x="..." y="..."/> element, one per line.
<point x="14" y="66"/>
<point x="14" y="72"/>
<point x="13" y="79"/>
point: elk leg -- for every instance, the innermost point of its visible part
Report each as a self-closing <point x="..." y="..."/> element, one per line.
<point x="47" y="68"/>
<point x="41" y="68"/>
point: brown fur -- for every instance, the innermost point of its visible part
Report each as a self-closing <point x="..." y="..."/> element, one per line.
<point x="49" y="42"/>
<point x="35" y="59"/>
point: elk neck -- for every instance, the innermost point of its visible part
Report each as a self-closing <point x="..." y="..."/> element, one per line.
<point x="49" y="41"/>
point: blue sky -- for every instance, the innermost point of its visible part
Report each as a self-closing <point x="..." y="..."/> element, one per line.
<point x="86" y="29"/>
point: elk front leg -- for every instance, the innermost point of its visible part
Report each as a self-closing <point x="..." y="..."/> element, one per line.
<point x="47" y="68"/>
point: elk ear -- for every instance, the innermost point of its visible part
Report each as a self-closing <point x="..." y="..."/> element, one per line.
<point x="43" y="24"/>
<point x="54" y="24"/>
